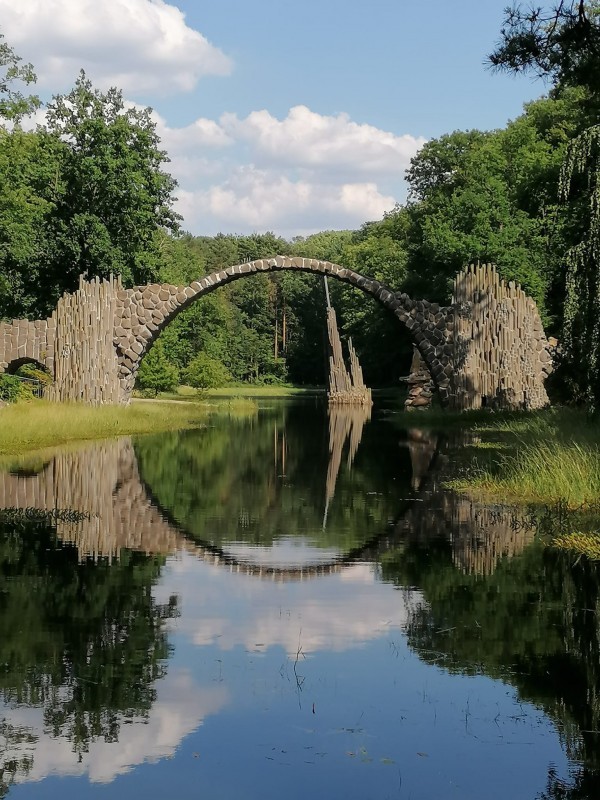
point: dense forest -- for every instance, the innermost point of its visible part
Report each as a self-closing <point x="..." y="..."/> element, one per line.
<point x="88" y="191"/>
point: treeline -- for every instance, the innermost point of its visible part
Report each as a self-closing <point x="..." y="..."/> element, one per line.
<point x="87" y="192"/>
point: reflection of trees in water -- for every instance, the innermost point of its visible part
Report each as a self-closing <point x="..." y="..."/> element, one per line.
<point x="91" y="643"/>
<point x="83" y="641"/>
<point x="101" y="482"/>
<point x="14" y="739"/>
<point x="228" y="485"/>
<point x="531" y="622"/>
<point x="204" y="478"/>
<point x="584" y="786"/>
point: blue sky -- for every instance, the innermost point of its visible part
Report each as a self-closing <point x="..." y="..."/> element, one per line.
<point x="279" y="115"/>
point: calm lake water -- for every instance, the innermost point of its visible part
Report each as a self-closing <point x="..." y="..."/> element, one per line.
<point x="286" y="604"/>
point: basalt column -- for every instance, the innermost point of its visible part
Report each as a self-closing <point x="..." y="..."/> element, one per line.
<point x="501" y="355"/>
<point x="85" y="359"/>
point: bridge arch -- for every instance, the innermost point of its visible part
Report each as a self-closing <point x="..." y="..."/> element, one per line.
<point x="17" y="363"/>
<point x="143" y="312"/>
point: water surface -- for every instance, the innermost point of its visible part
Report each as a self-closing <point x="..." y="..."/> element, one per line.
<point x="286" y="604"/>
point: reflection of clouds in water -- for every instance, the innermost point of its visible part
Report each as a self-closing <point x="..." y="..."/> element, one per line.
<point x="336" y="612"/>
<point x="179" y="709"/>
<point x="289" y="552"/>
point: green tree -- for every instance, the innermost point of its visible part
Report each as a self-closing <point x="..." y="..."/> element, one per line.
<point x="204" y="372"/>
<point x="582" y="303"/>
<point x="14" y="105"/>
<point x="116" y="194"/>
<point x="560" y="41"/>
<point x="30" y="175"/>
<point x="465" y="207"/>
<point x="156" y="374"/>
<point x="563" y="43"/>
<point x="91" y="640"/>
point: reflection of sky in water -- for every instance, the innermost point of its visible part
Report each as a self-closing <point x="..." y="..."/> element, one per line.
<point x="337" y="613"/>
<point x="288" y="552"/>
<point x="179" y="709"/>
<point x="304" y="689"/>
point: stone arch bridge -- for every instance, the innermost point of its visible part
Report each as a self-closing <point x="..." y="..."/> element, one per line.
<point x="486" y="348"/>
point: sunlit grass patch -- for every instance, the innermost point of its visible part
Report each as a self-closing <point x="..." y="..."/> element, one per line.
<point x="39" y="424"/>
<point x="541" y="472"/>
<point x="238" y="407"/>
<point x="575" y="530"/>
<point x="586" y="544"/>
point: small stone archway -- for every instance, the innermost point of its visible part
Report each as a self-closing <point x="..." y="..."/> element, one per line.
<point x="486" y="348"/>
<point x="15" y="366"/>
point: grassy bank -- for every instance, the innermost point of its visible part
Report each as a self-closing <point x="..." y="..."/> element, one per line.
<point x="37" y="425"/>
<point x="548" y="460"/>
<point x="543" y="457"/>
<point x="187" y="392"/>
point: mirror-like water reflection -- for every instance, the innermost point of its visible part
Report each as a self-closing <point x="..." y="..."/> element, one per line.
<point x="286" y="604"/>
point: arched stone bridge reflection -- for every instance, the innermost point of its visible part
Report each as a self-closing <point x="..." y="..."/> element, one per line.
<point x="102" y="482"/>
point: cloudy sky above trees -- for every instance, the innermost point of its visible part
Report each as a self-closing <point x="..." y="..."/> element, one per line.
<point x="278" y="115"/>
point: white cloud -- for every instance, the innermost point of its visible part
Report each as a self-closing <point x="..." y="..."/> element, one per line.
<point x="307" y="139"/>
<point x="296" y="174"/>
<point x="304" y="173"/>
<point x="237" y="610"/>
<point x="259" y="200"/>
<point x="201" y="133"/>
<point x="179" y="709"/>
<point x="137" y="45"/>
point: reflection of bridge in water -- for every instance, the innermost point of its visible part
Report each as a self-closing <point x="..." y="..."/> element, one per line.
<point x="104" y="483"/>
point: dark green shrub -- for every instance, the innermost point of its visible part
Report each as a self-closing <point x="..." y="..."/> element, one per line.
<point x="34" y="373"/>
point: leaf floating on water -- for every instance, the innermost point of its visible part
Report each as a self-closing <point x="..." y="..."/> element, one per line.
<point x="387" y="760"/>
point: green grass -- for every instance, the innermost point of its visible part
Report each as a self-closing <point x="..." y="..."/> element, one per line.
<point x="543" y="457"/>
<point x="189" y="393"/>
<point x="542" y="472"/>
<point x="262" y="391"/>
<point x="37" y="425"/>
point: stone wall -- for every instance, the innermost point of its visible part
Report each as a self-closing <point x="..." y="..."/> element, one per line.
<point x="86" y="365"/>
<point x="22" y="340"/>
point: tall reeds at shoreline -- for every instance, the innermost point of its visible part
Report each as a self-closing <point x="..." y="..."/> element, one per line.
<point x="541" y="472"/>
